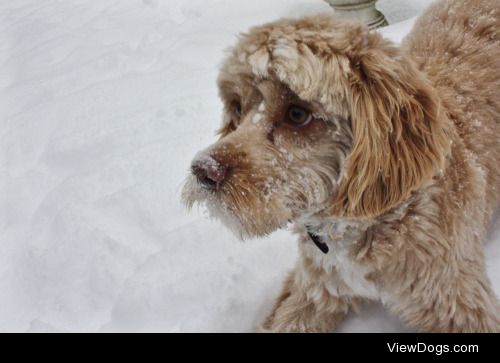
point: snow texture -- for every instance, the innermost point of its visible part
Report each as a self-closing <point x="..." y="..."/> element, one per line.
<point x="103" y="105"/>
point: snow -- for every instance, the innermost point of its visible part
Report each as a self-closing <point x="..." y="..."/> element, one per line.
<point x="257" y="118"/>
<point x="103" y="106"/>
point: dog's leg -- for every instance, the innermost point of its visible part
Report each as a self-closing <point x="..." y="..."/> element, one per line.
<point x="464" y="304"/>
<point x="295" y="312"/>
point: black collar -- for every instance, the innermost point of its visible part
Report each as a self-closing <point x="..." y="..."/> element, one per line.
<point x="323" y="247"/>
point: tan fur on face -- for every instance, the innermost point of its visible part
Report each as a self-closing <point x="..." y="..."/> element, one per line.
<point x="277" y="173"/>
<point x="398" y="173"/>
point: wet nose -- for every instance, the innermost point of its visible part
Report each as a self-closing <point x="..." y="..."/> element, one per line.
<point x="209" y="172"/>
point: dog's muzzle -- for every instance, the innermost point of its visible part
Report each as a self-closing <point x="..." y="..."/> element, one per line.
<point x="210" y="173"/>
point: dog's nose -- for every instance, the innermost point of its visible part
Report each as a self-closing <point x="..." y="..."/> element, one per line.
<point x="209" y="172"/>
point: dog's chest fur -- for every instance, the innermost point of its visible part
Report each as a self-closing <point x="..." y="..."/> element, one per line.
<point x="341" y="273"/>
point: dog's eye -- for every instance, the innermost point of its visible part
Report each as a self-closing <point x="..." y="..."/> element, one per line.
<point x="298" y="116"/>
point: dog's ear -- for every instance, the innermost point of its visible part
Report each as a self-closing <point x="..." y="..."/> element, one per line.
<point x="399" y="134"/>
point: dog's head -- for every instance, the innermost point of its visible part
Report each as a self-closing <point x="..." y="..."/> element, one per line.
<point x="323" y="117"/>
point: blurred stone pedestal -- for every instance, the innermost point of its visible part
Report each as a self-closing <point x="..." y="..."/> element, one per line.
<point x="363" y="10"/>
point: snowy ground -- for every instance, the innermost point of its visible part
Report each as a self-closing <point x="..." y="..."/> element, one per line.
<point x="102" y="106"/>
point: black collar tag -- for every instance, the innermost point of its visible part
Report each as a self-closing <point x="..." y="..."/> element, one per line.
<point x="320" y="244"/>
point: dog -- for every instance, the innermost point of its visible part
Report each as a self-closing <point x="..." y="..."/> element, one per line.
<point x="384" y="160"/>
